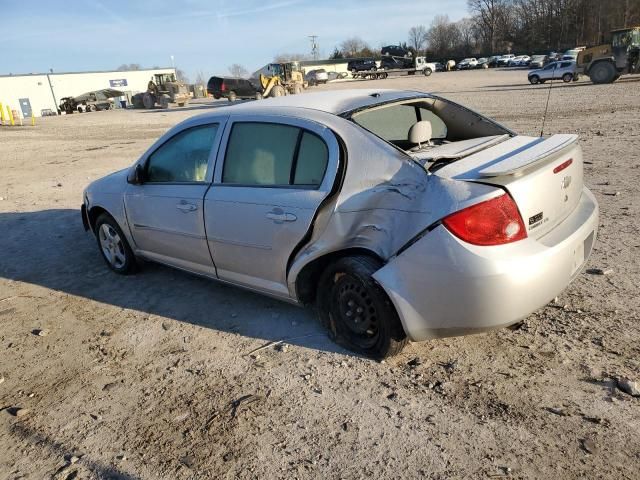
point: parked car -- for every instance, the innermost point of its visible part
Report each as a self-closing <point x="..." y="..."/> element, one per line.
<point x="538" y="61"/>
<point x="467" y="63"/>
<point x="395" y="51"/>
<point x="482" y="63"/>
<point x="493" y="61"/>
<point x="503" y="61"/>
<point x="565" y="70"/>
<point x="439" y="67"/>
<point x="355" y="66"/>
<point x="390" y="63"/>
<point x="233" y="88"/>
<point x="519" y="61"/>
<point x="317" y="77"/>
<point x="442" y="222"/>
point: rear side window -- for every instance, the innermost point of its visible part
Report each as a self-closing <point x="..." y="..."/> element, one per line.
<point x="274" y="155"/>
<point x="182" y="158"/>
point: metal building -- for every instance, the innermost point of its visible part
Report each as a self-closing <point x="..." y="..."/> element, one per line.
<point x="40" y="92"/>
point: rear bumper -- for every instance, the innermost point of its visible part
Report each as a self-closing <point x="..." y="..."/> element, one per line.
<point x="444" y="287"/>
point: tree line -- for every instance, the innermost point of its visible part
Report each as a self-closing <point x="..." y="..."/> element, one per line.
<point x="510" y="26"/>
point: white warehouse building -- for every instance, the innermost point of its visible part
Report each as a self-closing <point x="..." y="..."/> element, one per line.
<point x="39" y="92"/>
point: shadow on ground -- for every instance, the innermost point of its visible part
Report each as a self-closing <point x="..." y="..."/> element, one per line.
<point x="31" y="436"/>
<point x="50" y="248"/>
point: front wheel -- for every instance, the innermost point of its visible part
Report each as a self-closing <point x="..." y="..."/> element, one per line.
<point x="113" y="245"/>
<point x="427" y="72"/>
<point x="534" y="79"/>
<point x="357" y="310"/>
<point x="567" y="77"/>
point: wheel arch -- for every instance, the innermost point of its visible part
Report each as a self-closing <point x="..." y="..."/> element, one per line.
<point x="307" y="279"/>
<point x="93" y="213"/>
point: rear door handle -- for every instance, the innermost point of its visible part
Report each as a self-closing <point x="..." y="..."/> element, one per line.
<point x="280" y="216"/>
<point x="186" y="207"/>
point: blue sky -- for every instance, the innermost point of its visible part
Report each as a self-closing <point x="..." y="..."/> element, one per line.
<point x="203" y="35"/>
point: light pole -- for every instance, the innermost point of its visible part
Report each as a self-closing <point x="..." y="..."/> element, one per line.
<point x="173" y="65"/>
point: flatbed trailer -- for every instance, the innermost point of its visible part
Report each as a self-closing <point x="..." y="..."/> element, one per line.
<point x="382" y="74"/>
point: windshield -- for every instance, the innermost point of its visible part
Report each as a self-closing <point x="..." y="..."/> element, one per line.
<point x="626" y="39"/>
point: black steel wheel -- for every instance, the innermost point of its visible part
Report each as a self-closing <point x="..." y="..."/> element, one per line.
<point x="357" y="310"/>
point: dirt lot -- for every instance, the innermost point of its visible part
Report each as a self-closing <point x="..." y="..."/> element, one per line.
<point x="150" y="376"/>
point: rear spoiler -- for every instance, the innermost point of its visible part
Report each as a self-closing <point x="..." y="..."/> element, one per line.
<point x="528" y="155"/>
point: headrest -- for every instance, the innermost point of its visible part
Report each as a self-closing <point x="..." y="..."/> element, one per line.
<point x="420" y="132"/>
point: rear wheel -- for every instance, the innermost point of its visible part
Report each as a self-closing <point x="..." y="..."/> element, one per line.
<point x="534" y="79"/>
<point x="258" y="96"/>
<point x="232" y="96"/>
<point x="567" y="77"/>
<point x="602" y="72"/>
<point x="357" y="310"/>
<point x="148" y="100"/>
<point x="113" y="246"/>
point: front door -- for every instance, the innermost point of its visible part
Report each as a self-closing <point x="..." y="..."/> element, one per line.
<point x="165" y="212"/>
<point x="276" y="173"/>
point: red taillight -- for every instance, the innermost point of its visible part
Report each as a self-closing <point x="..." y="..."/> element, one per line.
<point x="223" y="87"/>
<point x="563" y="165"/>
<point x="493" y="222"/>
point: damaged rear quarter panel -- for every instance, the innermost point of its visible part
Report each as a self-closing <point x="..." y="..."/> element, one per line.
<point x="385" y="201"/>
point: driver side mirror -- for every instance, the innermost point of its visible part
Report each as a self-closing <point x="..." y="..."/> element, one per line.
<point x="136" y="176"/>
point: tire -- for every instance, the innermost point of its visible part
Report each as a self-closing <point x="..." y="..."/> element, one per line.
<point x="534" y="79"/>
<point x="148" y="100"/>
<point x="92" y="108"/>
<point x="354" y="72"/>
<point x="217" y="97"/>
<point x="113" y="246"/>
<point x="427" y="72"/>
<point x="164" y="101"/>
<point x="567" y="77"/>
<point x="232" y="96"/>
<point x="278" y="91"/>
<point x="357" y="310"/>
<point x="258" y="96"/>
<point x="181" y="104"/>
<point x="602" y="72"/>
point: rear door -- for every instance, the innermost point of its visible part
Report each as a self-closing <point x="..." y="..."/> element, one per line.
<point x="165" y="212"/>
<point x="275" y="174"/>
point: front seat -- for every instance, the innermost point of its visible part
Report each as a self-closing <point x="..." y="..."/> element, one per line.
<point x="420" y="133"/>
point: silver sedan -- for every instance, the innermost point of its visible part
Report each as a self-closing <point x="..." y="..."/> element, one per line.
<point x="400" y="215"/>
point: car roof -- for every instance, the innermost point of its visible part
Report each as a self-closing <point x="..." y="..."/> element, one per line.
<point x="335" y="102"/>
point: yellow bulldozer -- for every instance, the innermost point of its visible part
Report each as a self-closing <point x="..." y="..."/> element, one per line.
<point x="606" y="63"/>
<point x="282" y="79"/>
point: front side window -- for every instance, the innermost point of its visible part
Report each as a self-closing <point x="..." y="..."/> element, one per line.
<point x="184" y="157"/>
<point x="272" y="154"/>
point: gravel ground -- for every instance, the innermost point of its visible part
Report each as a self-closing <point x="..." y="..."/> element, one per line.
<point x="152" y="376"/>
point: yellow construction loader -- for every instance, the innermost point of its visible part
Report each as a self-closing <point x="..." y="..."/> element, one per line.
<point x="606" y="63"/>
<point x="283" y="79"/>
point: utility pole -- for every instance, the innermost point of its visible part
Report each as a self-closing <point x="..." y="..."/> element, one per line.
<point x="314" y="47"/>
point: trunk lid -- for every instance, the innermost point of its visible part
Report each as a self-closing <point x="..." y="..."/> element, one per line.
<point x="543" y="175"/>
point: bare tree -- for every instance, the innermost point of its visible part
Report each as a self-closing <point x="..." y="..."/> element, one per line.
<point x="418" y="37"/>
<point x="468" y="35"/>
<point x="181" y="76"/>
<point x="443" y="36"/>
<point x="129" y="67"/>
<point x="238" y="71"/>
<point x="290" y="57"/>
<point x="200" y="78"/>
<point x="354" y="46"/>
<point x="489" y="13"/>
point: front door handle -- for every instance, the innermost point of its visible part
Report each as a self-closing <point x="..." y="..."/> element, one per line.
<point x="186" y="207"/>
<point x="279" y="216"/>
